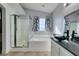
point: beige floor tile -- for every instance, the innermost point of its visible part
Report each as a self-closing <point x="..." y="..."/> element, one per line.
<point x="28" y="53"/>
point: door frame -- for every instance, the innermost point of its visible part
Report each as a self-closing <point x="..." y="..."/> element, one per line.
<point x="3" y="29"/>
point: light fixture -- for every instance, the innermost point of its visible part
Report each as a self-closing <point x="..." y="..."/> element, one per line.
<point x="65" y="4"/>
<point x="43" y="5"/>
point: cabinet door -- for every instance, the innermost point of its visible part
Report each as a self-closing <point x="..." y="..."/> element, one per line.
<point x="54" y="49"/>
<point x="64" y="52"/>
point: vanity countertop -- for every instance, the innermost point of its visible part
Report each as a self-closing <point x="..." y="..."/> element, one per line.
<point x="71" y="46"/>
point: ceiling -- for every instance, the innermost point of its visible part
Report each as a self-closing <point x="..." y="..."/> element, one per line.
<point x="44" y="7"/>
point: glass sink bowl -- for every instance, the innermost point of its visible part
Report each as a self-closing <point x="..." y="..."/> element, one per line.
<point x="60" y="38"/>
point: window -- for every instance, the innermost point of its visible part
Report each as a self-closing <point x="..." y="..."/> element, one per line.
<point x="42" y="24"/>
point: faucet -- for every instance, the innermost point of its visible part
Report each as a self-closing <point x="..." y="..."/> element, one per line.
<point x="73" y="35"/>
<point x="67" y="37"/>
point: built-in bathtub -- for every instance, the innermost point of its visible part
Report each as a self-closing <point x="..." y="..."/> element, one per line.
<point x="37" y="42"/>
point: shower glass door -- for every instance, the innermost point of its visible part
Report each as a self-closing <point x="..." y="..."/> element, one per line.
<point x="19" y="31"/>
<point x="22" y="32"/>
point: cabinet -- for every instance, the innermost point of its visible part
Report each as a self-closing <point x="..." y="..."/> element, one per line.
<point x="64" y="52"/>
<point x="57" y="50"/>
<point x="54" y="49"/>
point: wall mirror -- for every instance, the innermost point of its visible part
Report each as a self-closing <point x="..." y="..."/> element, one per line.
<point x="72" y="24"/>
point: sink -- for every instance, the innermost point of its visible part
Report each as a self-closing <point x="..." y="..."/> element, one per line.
<point x="60" y="38"/>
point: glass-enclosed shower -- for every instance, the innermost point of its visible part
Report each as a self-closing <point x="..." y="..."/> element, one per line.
<point x="19" y="31"/>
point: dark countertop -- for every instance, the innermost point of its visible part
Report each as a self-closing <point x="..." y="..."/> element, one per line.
<point x="71" y="46"/>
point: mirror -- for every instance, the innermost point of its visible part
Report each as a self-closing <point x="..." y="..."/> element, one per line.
<point x="72" y="24"/>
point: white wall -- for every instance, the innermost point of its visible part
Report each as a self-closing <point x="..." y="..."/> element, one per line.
<point x="9" y="11"/>
<point x="58" y="20"/>
<point x="32" y="13"/>
<point x="17" y="8"/>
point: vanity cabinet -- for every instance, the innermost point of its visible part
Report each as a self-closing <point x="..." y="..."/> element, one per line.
<point x="54" y="49"/>
<point x="64" y="52"/>
<point x="57" y="50"/>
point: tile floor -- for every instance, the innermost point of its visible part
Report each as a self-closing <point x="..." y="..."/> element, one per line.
<point x="28" y="53"/>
